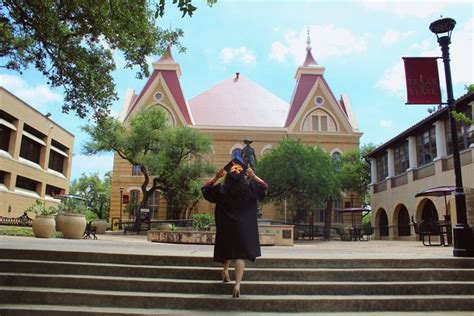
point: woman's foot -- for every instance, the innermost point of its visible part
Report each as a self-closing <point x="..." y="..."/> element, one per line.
<point x="225" y="276"/>
<point x="236" y="292"/>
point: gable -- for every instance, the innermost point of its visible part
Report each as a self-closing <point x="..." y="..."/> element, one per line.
<point x="320" y="101"/>
<point x="162" y="89"/>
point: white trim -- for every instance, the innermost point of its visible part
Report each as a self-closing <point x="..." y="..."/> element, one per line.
<point x="48" y="197"/>
<point x="56" y="173"/>
<point x="265" y="148"/>
<point x="5" y="154"/>
<point x="29" y="163"/>
<point x="334" y="150"/>
<point x="33" y="137"/>
<point x="234" y="147"/>
<point x="3" y="188"/>
<point x="7" y="124"/>
<point x="59" y="151"/>
<point x="26" y="192"/>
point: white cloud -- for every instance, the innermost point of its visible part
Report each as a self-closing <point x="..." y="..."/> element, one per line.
<point x="34" y="95"/>
<point x="393" y="80"/>
<point x="385" y="123"/>
<point x="407" y="8"/>
<point x="91" y="164"/>
<point x="279" y="52"/>
<point x="241" y="54"/>
<point x="391" y="37"/>
<point x="327" y="40"/>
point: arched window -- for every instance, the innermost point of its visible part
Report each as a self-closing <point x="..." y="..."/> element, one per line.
<point x="336" y="157"/>
<point x="319" y="121"/>
<point x="403" y="222"/>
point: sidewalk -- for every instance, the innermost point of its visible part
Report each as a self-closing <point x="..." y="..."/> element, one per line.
<point x="317" y="249"/>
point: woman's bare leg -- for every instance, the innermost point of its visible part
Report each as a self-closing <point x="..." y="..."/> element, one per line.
<point x="225" y="271"/>
<point x="239" y="273"/>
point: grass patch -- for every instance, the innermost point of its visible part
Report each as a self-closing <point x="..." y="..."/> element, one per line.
<point x="22" y="232"/>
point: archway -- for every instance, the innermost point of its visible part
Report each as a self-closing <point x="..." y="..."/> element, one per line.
<point x="381" y="220"/>
<point x="403" y="221"/>
<point x="428" y="211"/>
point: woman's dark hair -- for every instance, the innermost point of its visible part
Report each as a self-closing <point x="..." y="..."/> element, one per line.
<point x="236" y="187"/>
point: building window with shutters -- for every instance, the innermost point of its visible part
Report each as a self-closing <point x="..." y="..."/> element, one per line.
<point x="136" y="171"/>
<point x="401" y="161"/>
<point x="382" y="167"/>
<point x="426" y="146"/>
<point x="319" y="121"/>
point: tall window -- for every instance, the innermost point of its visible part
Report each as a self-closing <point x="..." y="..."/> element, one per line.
<point x="336" y="157"/>
<point x="30" y="149"/>
<point x="4" y="137"/>
<point x="153" y="204"/>
<point x="401" y="161"/>
<point x="56" y="161"/>
<point x="2" y="176"/>
<point x="382" y="167"/>
<point x="27" y="184"/>
<point x="136" y="170"/>
<point x="426" y="146"/>
<point x="465" y="134"/>
<point x="319" y="120"/>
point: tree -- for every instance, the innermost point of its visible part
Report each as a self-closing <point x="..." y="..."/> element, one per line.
<point x="302" y="175"/>
<point x="462" y="117"/>
<point x="95" y="192"/>
<point x="170" y="158"/>
<point x="354" y="172"/>
<point x="71" y="43"/>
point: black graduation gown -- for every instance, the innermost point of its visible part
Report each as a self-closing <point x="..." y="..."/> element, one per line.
<point x="236" y="222"/>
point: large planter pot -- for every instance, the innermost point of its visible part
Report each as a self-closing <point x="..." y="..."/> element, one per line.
<point x="59" y="222"/>
<point x="74" y="226"/>
<point x="100" y="226"/>
<point x="44" y="226"/>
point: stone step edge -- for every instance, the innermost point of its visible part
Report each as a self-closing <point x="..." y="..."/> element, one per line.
<point x="193" y="281"/>
<point x="207" y="259"/>
<point x="227" y="296"/>
<point x="298" y="269"/>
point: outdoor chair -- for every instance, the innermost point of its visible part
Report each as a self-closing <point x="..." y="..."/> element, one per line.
<point x="428" y="229"/>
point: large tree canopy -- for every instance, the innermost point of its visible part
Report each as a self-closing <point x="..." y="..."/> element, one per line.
<point x="354" y="172"/>
<point x="170" y="158"/>
<point x="94" y="191"/>
<point x="72" y="43"/>
<point x="302" y="175"/>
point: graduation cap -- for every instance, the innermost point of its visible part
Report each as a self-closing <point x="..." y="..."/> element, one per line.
<point x="236" y="168"/>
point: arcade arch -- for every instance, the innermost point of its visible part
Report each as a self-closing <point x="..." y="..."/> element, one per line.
<point x="381" y="224"/>
<point x="402" y="218"/>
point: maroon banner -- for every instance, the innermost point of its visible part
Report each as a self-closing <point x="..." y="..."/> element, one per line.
<point x="422" y="80"/>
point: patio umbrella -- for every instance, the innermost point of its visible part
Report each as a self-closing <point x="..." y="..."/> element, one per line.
<point x="353" y="210"/>
<point x="438" y="191"/>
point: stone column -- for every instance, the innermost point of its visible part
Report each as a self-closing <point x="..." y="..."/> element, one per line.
<point x="441" y="151"/>
<point x="390" y="163"/>
<point x="412" y="153"/>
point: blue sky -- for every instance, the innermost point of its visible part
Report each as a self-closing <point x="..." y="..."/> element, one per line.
<point x="361" y="44"/>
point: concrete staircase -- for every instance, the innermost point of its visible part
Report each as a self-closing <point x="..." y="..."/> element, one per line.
<point x="76" y="283"/>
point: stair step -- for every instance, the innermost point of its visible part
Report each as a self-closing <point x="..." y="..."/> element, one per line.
<point x="250" y="287"/>
<point x="251" y="274"/>
<point x="205" y="261"/>
<point x="256" y="303"/>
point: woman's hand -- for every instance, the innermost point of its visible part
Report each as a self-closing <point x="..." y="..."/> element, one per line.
<point x="220" y="173"/>
<point x="251" y="174"/>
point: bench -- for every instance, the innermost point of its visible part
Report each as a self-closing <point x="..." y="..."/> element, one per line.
<point x="89" y="232"/>
<point x="429" y="229"/>
<point x="23" y="220"/>
<point x="141" y="223"/>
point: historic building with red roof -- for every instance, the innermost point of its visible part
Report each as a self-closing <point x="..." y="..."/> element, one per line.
<point x="313" y="114"/>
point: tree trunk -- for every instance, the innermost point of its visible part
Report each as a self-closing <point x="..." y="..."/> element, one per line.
<point x="327" y="220"/>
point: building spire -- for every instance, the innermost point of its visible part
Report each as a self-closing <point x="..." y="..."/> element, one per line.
<point x="309" y="61"/>
<point x="308" y="42"/>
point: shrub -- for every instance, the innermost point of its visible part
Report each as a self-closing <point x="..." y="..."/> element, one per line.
<point x="202" y="221"/>
<point x="39" y="208"/>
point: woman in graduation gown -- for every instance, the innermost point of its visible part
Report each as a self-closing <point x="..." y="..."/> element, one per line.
<point x="236" y="210"/>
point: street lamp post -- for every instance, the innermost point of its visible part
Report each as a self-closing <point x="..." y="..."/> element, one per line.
<point x="463" y="238"/>
<point x="121" y="201"/>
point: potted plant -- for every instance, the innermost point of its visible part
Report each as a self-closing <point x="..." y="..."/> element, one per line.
<point x="43" y="223"/>
<point x="74" y="222"/>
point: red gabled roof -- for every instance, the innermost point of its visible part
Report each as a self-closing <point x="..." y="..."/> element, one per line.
<point x="305" y="84"/>
<point x="172" y="81"/>
<point x="309" y="61"/>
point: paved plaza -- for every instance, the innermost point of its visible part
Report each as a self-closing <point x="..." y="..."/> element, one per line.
<point x="317" y="249"/>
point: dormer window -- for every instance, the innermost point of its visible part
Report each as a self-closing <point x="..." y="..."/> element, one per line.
<point x="319" y="121"/>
